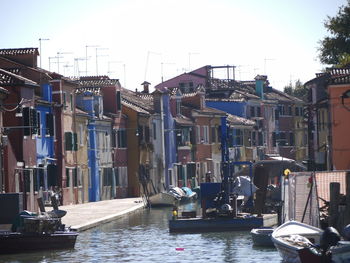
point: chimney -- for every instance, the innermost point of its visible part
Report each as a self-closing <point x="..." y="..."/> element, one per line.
<point x="259" y="85"/>
<point x="145" y="85"/>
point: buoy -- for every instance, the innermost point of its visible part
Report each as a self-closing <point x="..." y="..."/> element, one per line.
<point x="179" y="249"/>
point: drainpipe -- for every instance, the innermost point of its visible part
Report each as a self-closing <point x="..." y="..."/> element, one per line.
<point x="163" y="143"/>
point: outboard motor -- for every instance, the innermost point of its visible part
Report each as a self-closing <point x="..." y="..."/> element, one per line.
<point x="330" y="237"/>
<point x="346" y="233"/>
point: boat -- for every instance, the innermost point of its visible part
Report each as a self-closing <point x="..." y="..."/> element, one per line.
<point x="19" y="242"/>
<point x="164" y="199"/>
<point x="294" y="239"/>
<point x="262" y="236"/>
<point x="189" y="194"/>
<point x="34" y="232"/>
<point x="178" y="192"/>
<point x="189" y="224"/>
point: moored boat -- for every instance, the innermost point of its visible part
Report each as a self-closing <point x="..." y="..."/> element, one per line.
<point x="18" y="242"/>
<point x="35" y="232"/>
<point x="293" y="239"/>
<point x="262" y="236"/>
<point x="163" y="199"/>
<point x="189" y="195"/>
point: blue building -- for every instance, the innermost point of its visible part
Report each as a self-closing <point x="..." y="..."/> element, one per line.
<point x="46" y="174"/>
<point x="87" y="100"/>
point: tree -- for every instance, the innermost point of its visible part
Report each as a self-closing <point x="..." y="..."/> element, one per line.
<point x="297" y="90"/>
<point x="335" y="49"/>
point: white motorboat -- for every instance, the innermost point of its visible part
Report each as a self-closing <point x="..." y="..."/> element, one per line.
<point x="293" y="237"/>
<point x="163" y="199"/>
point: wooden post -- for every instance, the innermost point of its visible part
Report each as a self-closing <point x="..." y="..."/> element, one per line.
<point x="334" y="189"/>
<point x="347" y="209"/>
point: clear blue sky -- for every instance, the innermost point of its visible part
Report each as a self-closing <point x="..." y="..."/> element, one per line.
<point x="146" y="39"/>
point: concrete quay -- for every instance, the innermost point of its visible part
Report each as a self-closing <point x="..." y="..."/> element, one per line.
<point x="81" y="217"/>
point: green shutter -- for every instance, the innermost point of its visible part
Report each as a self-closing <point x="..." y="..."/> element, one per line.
<point x="75" y="142"/>
<point x="68" y="138"/>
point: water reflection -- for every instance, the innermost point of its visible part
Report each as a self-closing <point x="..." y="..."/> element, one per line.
<point x="144" y="237"/>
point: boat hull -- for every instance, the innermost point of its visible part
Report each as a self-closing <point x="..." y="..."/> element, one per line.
<point x="289" y="254"/>
<point x="163" y="199"/>
<point x="219" y="224"/>
<point x="14" y="242"/>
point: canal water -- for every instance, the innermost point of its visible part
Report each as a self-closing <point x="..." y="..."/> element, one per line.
<point x="144" y="237"/>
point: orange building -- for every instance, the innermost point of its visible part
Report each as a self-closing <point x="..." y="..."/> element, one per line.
<point x="329" y="119"/>
<point x="339" y="100"/>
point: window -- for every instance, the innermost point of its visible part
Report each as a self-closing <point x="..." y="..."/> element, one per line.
<point x="282" y="139"/>
<point x="253" y="138"/>
<point x="291" y="139"/>
<point x="206" y="134"/>
<point x="64" y="100"/>
<point x="38" y="124"/>
<point x="214" y="137"/>
<point x="198" y="134"/>
<point x="290" y="111"/>
<point x="238" y="137"/>
<point x="67" y="177"/>
<point x="71" y="102"/>
<point x="178" y="107"/>
<point x="252" y="111"/>
<point x="119" y="103"/>
<point x="260" y="139"/>
<point x="277" y="114"/>
<point x="258" y="111"/>
<point x="49" y="124"/>
<point x="154" y="131"/>
<point x="297" y="111"/>
<point x="75" y="177"/>
<point x="121" y="138"/>
<point x="281" y="110"/>
<point x="33" y="121"/>
<point x="30" y="121"/>
<point x="70" y="140"/>
<point x="147" y="134"/>
<point x="26" y="121"/>
<point x="81" y="135"/>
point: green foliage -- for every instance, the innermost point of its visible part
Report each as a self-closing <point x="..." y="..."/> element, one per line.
<point x="297" y="90"/>
<point x="335" y="49"/>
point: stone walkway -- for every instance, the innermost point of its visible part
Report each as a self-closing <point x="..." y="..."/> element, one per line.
<point x="84" y="216"/>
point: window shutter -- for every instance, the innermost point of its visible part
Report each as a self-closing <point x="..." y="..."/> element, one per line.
<point x="68" y="137"/>
<point x="114" y="141"/>
<point x="75" y="142"/>
<point x="49" y="124"/>
<point x="33" y="121"/>
<point x="26" y="124"/>
<point x="38" y="123"/>
<point x="119" y="103"/>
